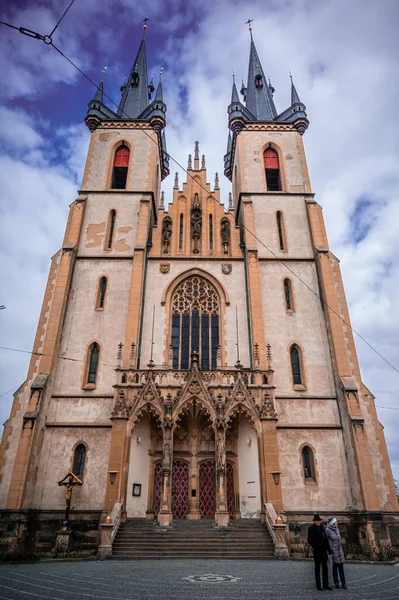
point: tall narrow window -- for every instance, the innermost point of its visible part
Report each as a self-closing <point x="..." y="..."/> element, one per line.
<point x="94" y="354"/>
<point x="121" y="164"/>
<point x="308" y="463"/>
<point x="181" y="232"/>
<point x="272" y="170"/>
<point x="195" y="324"/>
<point x="210" y="233"/>
<point x="296" y="365"/>
<point x="280" y="229"/>
<point x="111" y="228"/>
<point x="102" y="290"/>
<point x="288" y="295"/>
<point x="79" y="460"/>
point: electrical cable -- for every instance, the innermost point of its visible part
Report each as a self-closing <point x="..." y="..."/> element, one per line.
<point x="65" y="12"/>
<point x="48" y="41"/>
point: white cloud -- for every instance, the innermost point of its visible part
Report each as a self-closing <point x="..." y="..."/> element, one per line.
<point x="344" y="60"/>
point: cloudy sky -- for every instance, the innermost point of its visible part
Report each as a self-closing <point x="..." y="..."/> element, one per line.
<point x="343" y="55"/>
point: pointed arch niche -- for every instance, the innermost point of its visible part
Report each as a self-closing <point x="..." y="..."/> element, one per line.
<point x="195" y="314"/>
<point x="273" y="166"/>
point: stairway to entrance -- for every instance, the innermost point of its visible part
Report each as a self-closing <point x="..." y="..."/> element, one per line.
<point x="141" y="539"/>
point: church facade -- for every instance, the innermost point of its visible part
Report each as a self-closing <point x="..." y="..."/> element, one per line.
<point x="196" y="361"/>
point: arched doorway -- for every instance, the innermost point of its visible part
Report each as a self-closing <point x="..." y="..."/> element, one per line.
<point x="180" y="480"/>
<point x="207" y="490"/>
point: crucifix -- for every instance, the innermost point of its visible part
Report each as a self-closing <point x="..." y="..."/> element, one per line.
<point x="69" y="482"/>
<point x="248" y="22"/>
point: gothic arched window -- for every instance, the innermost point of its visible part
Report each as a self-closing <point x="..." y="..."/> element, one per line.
<point x="289" y="301"/>
<point x="102" y="290"/>
<point x="280" y="230"/>
<point x="195" y="323"/>
<point x="121" y="164"/>
<point x="272" y="170"/>
<point x="181" y="232"/>
<point x="109" y="237"/>
<point x="296" y="365"/>
<point x="93" y="356"/>
<point x="210" y="232"/>
<point x="79" y="460"/>
<point x="308" y="463"/>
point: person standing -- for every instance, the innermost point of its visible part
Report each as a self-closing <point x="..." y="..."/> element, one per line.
<point x="338" y="558"/>
<point x="321" y="549"/>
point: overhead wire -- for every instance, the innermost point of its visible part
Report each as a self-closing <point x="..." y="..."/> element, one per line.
<point x="324" y="303"/>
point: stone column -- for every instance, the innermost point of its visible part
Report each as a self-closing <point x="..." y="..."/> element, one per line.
<point x="193" y="500"/>
<point x="222" y="514"/>
<point x="165" y="514"/>
<point x="118" y="453"/>
<point x="269" y="458"/>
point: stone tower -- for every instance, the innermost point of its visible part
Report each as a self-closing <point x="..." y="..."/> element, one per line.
<point x="187" y="356"/>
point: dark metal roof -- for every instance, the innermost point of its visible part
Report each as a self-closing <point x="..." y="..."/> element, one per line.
<point x="259" y="98"/>
<point x="135" y="95"/>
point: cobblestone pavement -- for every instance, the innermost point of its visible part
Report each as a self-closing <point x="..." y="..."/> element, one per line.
<point x="189" y="580"/>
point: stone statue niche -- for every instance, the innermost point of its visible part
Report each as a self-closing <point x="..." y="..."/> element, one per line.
<point x="196" y="223"/>
<point x="166" y="234"/>
<point x="225" y="234"/>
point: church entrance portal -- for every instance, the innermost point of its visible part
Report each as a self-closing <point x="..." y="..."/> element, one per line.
<point x="180" y="479"/>
<point x="207" y="490"/>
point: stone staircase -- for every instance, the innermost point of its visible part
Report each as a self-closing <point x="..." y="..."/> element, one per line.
<point x="142" y="539"/>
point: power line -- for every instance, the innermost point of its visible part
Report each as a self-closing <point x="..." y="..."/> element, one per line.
<point x="65" y="12"/>
<point x="48" y="40"/>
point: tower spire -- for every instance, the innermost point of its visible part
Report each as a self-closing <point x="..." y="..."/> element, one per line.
<point x="234" y="94"/>
<point x="259" y="96"/>
<point x="294" y="94"/>
<point x="135" y="95"/>
<point x="196" y="157"/>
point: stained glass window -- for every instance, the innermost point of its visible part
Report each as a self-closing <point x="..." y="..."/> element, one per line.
<point x="93" y="363"/>
<point x="295" y="365"/>
<point x="287" y="292"/>
<point x="307" y="459"/>
<point x="195" y="323"/>
<point x="79" y="460"/>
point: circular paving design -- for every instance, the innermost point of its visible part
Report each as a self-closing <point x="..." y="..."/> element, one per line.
<point x="189" y="580"/>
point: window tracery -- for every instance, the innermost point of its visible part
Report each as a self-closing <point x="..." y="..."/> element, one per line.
<point x="195" y="323"/>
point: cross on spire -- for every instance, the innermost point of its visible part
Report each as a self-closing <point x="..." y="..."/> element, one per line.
<point x="145" y="26"/>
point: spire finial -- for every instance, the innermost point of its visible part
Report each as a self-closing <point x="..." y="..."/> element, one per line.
<point x="145" y="26"/>
<point x="203" y="162"/>
<point x="189" y="164"/>
<point x="216" y="181"/>
<point x="104" y="71"/>
<point x="196" y="156"/>
<point x="249" y="27"/>
<point x="176" y="180"/>
<point x="230" y="200"/>
<point x="162" y="200"/>
<point x="160" y="73"/>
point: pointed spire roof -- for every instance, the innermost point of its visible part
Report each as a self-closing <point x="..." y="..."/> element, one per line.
<point x="234" y="94"/>
<point x="259" y="98"/>
<point x="294" y="94"/>
<point x="135" y="95"/>
<point x="229" y="143"/>
<point x="159" y="93"/>
<point x="99" y="96"/>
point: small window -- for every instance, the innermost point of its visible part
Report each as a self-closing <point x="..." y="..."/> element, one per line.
<point x="272" y="170"/>
<point x="280" y="230"/>
<point x="289" y="306"/>
<point x="121" y="164"/>
<point x="79" y="460"/>
<point x="308" y="463"/>
<point x="181" y="232"/>
<point x="110" y="229"/>
<point x="94" y="354"/>
<point x="296" y="365"/>
<point x="210" y="232"/>
<point x="102" y="290"/>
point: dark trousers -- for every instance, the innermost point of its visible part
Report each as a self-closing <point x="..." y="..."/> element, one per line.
<point x="321" y="559"/>
<point x="338" y="567"/>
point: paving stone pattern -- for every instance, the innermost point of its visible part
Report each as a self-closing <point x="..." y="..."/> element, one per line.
<point x="189" y="580"/>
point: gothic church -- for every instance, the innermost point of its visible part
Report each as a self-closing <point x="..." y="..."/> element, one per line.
<point x="194" y="361"/>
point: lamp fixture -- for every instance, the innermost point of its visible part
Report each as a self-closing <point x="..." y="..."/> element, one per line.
<point x="139" y="439"/>
<point x="249" y="441"/>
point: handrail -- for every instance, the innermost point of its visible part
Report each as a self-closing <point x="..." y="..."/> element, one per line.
<point x="116" y="514"/>
<point x="270" y="520"/>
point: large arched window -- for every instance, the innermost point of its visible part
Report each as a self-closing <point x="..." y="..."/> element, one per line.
<point x="296" y="365"/>
<point x="195" y="323"/>
<point x="93" y="357"/>
<point x="308" y="463"/>
<point x="272" y="170"/>
<point x="121" y="164"/>
<point x="79" y="460"/>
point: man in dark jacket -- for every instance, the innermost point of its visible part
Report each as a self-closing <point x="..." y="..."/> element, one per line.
<point x="321" y="549"/>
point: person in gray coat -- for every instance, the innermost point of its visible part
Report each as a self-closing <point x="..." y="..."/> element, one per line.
<point x="338" y="558"/>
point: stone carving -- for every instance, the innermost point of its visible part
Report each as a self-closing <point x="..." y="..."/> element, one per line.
<point x="226" y="269"/>
<point x="225" y="233"/>
<point x="267" y="411"/>
<point x="166" y="233"/>
<point x="121" y="409"/>
<point x="194" y="387"/>
<point x="164" y="267"/>
<point x="221" y="450"/>
<point x="196" y="222"/>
